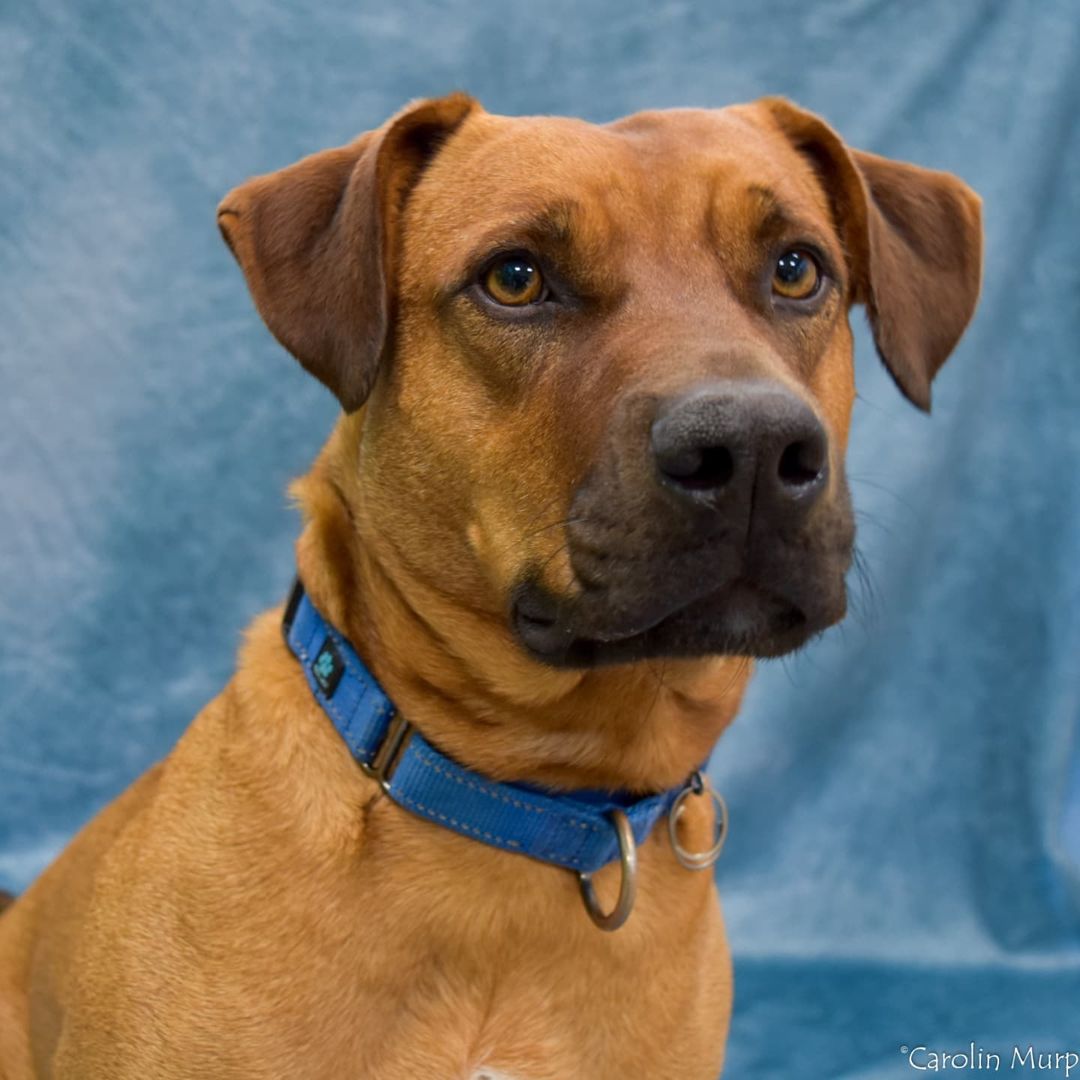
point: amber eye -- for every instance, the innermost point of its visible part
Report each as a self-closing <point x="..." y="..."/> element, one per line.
<point x="514" y="280"/>
<point x="796" y="275"/>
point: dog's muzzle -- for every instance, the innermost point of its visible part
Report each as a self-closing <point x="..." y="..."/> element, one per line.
<point x="712" y="524"/>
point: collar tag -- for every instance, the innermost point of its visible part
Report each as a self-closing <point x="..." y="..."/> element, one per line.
<point x="328" y="667"/>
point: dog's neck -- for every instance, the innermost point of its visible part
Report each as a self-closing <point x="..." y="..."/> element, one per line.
<point x="458" y="675"/>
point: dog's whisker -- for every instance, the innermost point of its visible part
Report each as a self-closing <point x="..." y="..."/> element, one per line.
<point x="786" y="666"/>
<point x="865" y="481"/>
<point x="554" y="555"/>
<point x="740" y="673"/>
<point x="531" y="533"/>
<point x="658" y="677"/>
<point x="563" y="522"/>
<point x="864" y="517"/>
<point x="865" y="598"/>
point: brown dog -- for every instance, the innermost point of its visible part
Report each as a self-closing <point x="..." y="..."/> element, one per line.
<point x="596" y="386"/>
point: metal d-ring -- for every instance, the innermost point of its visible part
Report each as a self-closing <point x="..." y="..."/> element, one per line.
<point x="698" y="860"/>
<point x="627" y="885"/>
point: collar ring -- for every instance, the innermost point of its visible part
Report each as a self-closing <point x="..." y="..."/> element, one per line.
<point x="613" y="919"/>
<point x="698" y="860"/>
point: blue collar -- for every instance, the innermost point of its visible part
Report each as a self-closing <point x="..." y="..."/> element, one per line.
<point x="573" y="830"/>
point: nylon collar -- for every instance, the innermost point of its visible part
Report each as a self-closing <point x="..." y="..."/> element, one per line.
<point x="572" y="830"/>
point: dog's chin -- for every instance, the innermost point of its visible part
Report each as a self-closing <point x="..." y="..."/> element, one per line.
<point x="739" y="619"/>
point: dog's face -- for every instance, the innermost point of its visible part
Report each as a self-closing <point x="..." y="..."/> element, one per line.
<point x="608" y="370"/>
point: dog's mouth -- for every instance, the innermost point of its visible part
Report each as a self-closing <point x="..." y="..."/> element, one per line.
<point x="740" y="618"/>
<point x="661" y="585"/>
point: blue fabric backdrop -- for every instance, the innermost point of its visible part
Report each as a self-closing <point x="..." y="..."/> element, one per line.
<point x="906" y="794"/>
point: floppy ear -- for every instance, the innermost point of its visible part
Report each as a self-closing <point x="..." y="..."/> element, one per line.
<point x="914" y="238"/>
<point x="317" y="240"/>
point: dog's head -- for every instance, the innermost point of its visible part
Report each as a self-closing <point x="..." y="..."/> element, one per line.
<point x="606" y="371"/>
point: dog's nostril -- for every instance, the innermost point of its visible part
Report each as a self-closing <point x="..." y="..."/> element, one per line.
<point x="724" y="445"/>
<point x="699" y="468"/>
<point x="801" y="463"/>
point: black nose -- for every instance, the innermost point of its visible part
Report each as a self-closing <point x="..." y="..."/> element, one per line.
<point x="736" y="444"/>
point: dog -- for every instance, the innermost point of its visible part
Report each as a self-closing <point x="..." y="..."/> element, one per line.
<point x="596" y="384"/>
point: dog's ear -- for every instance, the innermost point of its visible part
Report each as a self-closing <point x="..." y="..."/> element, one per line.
<point x="317" y="242"/>
<point x="914" y="239"/>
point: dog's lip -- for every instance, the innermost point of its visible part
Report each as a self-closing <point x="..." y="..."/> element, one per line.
<point x="542" y="629"/>
<point x="542" y="619"/>
<point x="543" y="624"/>
<point x="545" y="635"/>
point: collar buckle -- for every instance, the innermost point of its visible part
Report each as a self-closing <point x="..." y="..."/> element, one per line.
<point x="385" y="759"/>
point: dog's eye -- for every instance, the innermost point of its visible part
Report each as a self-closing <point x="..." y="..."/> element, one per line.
<point x="796" y="275"/>
<point x="514" y="280"/>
